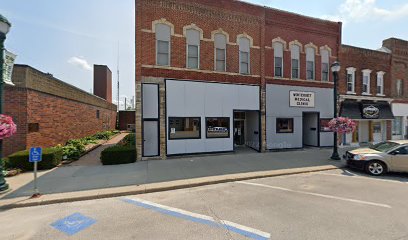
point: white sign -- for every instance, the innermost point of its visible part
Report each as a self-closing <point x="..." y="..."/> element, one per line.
<point x="302" y="99"/>
<point x="8" y="66"/>
<point x="173" y="130"/>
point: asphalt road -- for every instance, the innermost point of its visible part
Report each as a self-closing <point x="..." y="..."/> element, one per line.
<point x="334" y="204"/>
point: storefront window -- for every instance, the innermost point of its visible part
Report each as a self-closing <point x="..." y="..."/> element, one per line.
<point x="397" y="126"/>
<point x="284" y="125"/>
<point x="324" y="125"/>
<point x="218" y="127"/>
<point x="184" y="127"/>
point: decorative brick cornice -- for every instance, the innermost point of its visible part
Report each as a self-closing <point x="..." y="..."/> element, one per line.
<point x="200" y="10"/>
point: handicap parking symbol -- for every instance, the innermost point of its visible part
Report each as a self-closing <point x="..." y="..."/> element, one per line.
<point x="35" y="154"/>
<point x="73" y="223"/>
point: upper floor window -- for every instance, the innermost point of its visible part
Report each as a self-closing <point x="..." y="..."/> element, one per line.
<point x="163" y="36"/>
<point x="310" y="63"/>
<point x="399" y="88"/>
<point x="278" y="53"/>
<point x="366" y="81"/>
<point x="193" y="48"/>
<point x="220" y="44"/>
<point x="295" y="56"/>
<point x="325" y="64"/>
<point x="244" y="55"/>
<point x="380" y="83"/>
<point x="351" y="80"/>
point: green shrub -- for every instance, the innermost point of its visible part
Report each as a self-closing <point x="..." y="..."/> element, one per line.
<point x="51" y="157"/>
<point x="118" y="155"/>
<point x="129" y="140"/>
<point x="74" y="149"/>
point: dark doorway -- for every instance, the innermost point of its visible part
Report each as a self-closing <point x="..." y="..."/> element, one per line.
<point x="311" y="129"/>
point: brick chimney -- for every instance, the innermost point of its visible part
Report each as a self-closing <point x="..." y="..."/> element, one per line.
<point x="103" y="82"/>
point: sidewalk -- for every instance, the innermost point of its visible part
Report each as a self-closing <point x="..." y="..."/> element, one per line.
<point x="84" y="178"/>
<point x="92" y="158"/>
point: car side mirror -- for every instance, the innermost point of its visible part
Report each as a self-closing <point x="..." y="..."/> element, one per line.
<point x="396" y="152"/>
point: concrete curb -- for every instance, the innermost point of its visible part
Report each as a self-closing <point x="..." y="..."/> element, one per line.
<point x="151" y="187"/>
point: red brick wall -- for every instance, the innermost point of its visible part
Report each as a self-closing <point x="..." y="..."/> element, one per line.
<point x="103" y="82"/>
<point x="360" y="59"/>
<point x="61" y="119"/>
<point x="125" y="118"/>
<point x="234" y="18"/>
<point x="15" y="105"/>
<point x="399" y="66"/>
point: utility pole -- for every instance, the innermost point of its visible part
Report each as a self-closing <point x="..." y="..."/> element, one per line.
<point x="125" y="104"/>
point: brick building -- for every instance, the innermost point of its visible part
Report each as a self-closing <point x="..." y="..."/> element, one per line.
<point x="399" y="85"/>
<point x="213" y="76"/>
<point x="48" y="111"/>
<point x="365" y="93"/>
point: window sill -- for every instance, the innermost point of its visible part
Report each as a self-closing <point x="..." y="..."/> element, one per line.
<point x="351" y="93"/>
<point x="380" y="95"/>
<point x="366" y="94"/>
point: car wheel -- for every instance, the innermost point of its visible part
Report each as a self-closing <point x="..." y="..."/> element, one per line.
<point x="376" y="168"/>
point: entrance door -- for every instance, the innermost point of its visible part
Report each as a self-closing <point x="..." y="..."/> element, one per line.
<point x="150" y="138"/>
<point x="311" y="129"/>
<point x="239" y="132"/>
<point x="377" y="132"/>
<point x="150" y="101"/>
<point x="364" y="133"/>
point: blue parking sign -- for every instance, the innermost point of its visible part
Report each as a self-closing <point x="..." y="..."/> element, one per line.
<point x="35" y="154"/>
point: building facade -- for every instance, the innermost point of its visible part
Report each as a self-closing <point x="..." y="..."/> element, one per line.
<point x="215" y="76"/>
<point x="365" y="94"/>
<point x="399" y="85"/>
<point x="49" y="112"/>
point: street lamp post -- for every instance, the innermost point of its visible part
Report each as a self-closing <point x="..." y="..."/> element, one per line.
<point x="4" y="29"/>
<point x="335" y="68"/>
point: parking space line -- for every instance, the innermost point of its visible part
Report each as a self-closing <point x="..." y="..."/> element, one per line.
<point x="360" y="177"/>
<point x="198" y="218"/>
<point x="317" y="194"/>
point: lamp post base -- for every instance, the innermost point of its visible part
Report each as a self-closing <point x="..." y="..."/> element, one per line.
<point x="335" y="156"/>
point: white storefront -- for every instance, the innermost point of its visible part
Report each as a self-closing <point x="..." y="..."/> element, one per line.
<point x="298" y="116"/>
<point x="400" y="122"/>
<point x="207" y="117"/>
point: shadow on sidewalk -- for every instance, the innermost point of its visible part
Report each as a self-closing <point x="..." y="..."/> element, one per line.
<point x="81" y="178"/>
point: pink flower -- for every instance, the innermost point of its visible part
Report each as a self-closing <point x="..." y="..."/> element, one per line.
<point x="7" y="126"/>
<point x="342" y="125"/>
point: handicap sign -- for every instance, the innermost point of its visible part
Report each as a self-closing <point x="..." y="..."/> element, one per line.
<point x="73" y="223"/>
<point x="35" y="155"/>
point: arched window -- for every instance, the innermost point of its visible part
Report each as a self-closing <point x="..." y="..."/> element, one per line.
<point x="163" y="36"/>
<point x="220" y="52"/>
<point x="278" y="59"/>
<point x="325" y="64"/>
<point x="295" y="60"/>
<point x="310" y="63"/>
<point x="193" y="48"/>
<point x="244" y="55"/>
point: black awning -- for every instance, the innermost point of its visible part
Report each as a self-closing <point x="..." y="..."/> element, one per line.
<point x="366" y="110"/>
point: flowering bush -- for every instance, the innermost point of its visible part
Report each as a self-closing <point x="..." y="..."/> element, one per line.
<point x="342" y="125"/>
<point x="7" y="126"/>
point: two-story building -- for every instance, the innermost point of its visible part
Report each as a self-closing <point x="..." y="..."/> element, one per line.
<point x="217" y="76"/>
<point x="399" y="85"/>
<point x="365" y="93"/>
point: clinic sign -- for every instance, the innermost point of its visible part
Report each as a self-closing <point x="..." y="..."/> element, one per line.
<point x="301" y="99"/>
<point x="9" y="59"/>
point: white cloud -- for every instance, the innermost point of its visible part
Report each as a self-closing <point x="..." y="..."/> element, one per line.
<point x="363" y="10"/>
<point x="80" y="62"/>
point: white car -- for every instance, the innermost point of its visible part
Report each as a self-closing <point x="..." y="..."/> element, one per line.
<point x="389" y="156"/>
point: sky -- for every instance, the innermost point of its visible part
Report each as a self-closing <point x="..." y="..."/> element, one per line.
<point x="66" y="37"/>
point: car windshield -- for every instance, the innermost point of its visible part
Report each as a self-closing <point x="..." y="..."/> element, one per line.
<point x="384" y="146"/>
